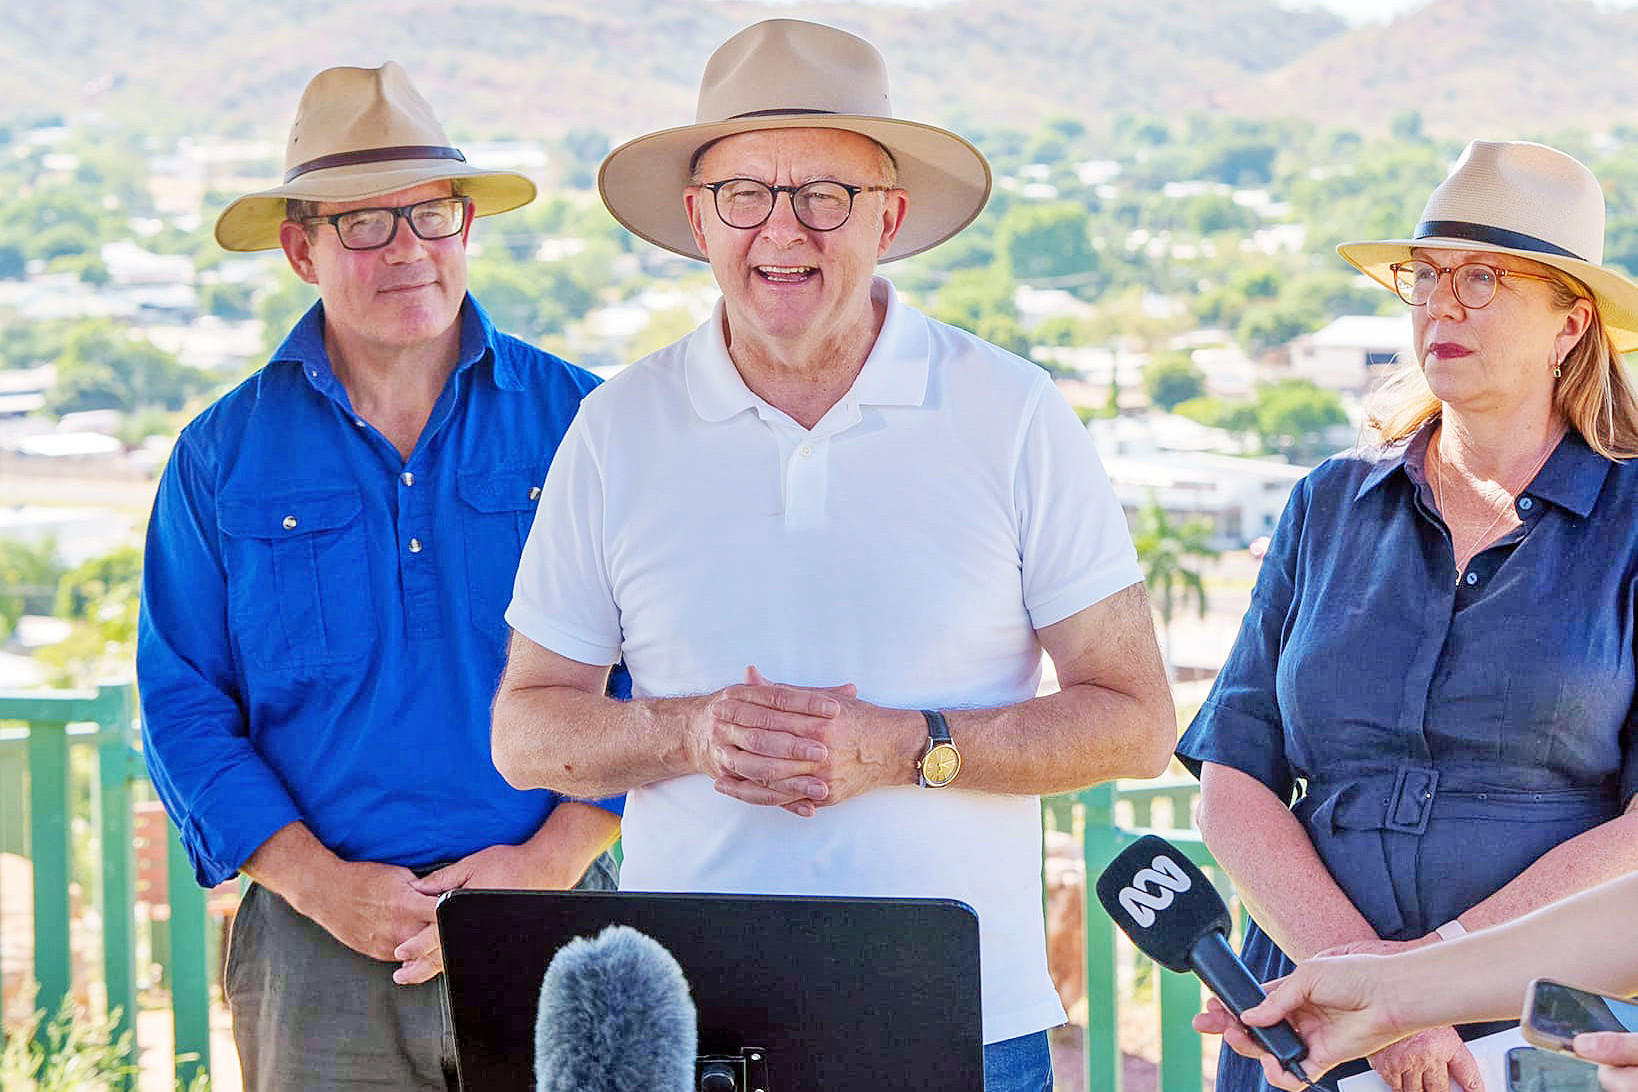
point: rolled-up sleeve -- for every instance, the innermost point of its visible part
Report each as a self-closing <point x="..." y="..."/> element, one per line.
<point x="1240" y="724"/>
<point x="223" y="798"/>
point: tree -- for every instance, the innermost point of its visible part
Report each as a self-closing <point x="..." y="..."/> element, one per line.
<point x="1044" y="241"/>
<point x="972" y="294"/>
<point x="101" y="599"/>
<point x="102" y="367"/>
<point x="1264" y="326"/>
<point x="1239" y="418"/>
<point x="1240" y="162"/>
<point x="13" y="262"/>
<point x="29" y="573"/>
<point x="1406" y="127"/>
<point x="1004" y="331"/>
<point x="281" y="308"/>
<point x="1059" y="331"/>
<point x="226" y="300"/>
<point x="585" y="148"/>
<point x="1172" y="378"/>
<point x="1294" y="417"/>
<point x="1169" y="553"/>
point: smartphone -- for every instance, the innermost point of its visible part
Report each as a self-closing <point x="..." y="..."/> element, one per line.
<point x="1533" y="1070"/>
<point x="1554" y="1014"/>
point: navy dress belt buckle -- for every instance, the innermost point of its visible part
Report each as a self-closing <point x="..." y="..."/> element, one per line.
<point x="1410" y="805"/>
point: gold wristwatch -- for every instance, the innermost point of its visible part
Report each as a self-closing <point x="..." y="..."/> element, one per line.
<point x="940" y="761"/>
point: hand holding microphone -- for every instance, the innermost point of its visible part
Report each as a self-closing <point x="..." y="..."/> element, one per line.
<point x="1172" y="913"/>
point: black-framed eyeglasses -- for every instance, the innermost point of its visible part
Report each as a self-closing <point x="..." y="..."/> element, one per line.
<point x="371" y="229"/>
<point x="1474" y="283"/>
<point x="821" y="205"/>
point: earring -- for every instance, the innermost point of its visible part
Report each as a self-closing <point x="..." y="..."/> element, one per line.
<point x="1558" y="370"/>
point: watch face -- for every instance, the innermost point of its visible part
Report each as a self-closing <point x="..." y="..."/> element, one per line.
<point x="940" y="765"/>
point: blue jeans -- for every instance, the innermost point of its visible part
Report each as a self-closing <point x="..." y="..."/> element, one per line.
<point x="1023" y="1064"/>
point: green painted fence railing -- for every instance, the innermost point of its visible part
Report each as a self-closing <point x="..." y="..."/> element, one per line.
<point x="39" y="732"/>
<point x="1092" y="813"/>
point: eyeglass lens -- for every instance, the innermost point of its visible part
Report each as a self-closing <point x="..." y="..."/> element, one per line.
<point x="1474" y="283"/>
<point x="367" y="229"/>
<point x="819" y="205"/>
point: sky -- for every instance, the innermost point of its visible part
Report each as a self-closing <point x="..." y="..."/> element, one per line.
<point x="1377" y="11"/>
<point x="1354" y="11"/>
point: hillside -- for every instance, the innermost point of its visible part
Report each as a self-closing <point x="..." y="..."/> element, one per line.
<point x="540" y="67"/>
<point x="529" y="66"/>
<point x="1493" y="68"/>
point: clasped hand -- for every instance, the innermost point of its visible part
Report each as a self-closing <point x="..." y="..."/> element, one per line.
<point x="797" y="747"/>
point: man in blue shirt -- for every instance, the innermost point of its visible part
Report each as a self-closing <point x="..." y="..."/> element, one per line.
<point x="331" y="551"/>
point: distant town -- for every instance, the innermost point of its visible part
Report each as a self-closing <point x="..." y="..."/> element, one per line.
<point x="1177" y="280"/>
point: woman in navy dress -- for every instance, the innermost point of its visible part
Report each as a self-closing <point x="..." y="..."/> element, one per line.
<point x="1426" y="725"/>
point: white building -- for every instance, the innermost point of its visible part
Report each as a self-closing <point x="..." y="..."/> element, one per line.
<point x="1170" y="459"/>
<point x="1352" y="352"/>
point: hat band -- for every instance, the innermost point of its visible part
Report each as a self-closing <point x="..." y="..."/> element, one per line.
<point x="776" y="112"/>
<point x="1495" y="236"/>
<point x="374" y="155"/>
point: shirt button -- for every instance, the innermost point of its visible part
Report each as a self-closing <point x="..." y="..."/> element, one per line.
<point x="289" y="523"/>
<point x="1472" y="578"/>
<point x="407" y="478"/>
<point x="359" y="421"/>
<point x="807" y="449"/>
<point x="1525" y="504"/>
<point x="415" y="545"/>
<point x="534" y="492"/>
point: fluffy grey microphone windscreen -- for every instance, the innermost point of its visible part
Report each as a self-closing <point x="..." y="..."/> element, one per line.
<point x="615" y="1016"/>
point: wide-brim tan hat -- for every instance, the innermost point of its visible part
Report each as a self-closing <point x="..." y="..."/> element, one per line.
<point x="1528" y="200"/>
<point x="790" y="74"/>
<point x="364" y="132"/>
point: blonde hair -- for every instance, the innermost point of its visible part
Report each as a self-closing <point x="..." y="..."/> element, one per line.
<point x="1594" y="393"/>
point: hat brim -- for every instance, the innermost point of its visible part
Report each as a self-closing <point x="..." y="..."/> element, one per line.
<point x="1617" y="296"/>
<point x="948" y="179"/>
<point x="252" y="222"/>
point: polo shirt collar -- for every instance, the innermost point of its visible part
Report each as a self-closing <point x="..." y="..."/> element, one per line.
<point x="304" y="346"/>
<point x="894" y="374"/>
<point x="1572" y="477"/>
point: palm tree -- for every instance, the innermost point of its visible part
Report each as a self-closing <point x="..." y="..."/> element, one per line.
<point x="1165" y="551"/>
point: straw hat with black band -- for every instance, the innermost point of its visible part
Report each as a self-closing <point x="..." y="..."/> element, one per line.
<point x="358" y="133"/>
<point x="1528" y="200"/>
<point x="787" y="74"/>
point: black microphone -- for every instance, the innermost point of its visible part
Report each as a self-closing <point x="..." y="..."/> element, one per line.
<point x="615" y="1015"/>
<point x="1176" y="918"/>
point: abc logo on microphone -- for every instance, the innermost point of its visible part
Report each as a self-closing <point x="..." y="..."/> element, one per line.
<point x="1151" y="889"/>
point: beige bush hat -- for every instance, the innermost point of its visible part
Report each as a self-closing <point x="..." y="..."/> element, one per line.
<point x="786" y="74"/>
<point x="1529" y="200"/>
<point x="361" y="132"/>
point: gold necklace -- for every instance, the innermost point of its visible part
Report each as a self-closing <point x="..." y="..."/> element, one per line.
<point x="1437" y="478"/>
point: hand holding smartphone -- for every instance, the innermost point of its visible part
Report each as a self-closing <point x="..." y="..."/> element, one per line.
<point x="1530" y="1069"/>
<point x="1554" y="1014"/>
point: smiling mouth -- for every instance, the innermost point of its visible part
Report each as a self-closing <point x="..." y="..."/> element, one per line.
<point x="785" y="274"/>
<point x="407" y="287"/>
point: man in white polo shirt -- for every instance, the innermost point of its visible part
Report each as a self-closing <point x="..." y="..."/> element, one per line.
<point x="830" y="538"/>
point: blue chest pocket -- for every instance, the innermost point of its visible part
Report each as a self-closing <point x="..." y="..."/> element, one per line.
<point x="298" y="578"/>
<point x="497" y="509"/>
